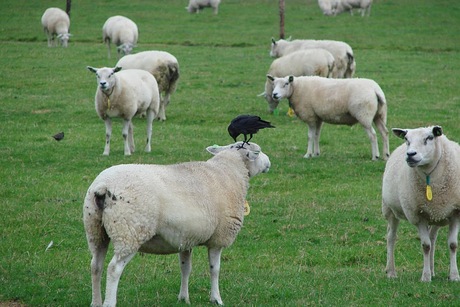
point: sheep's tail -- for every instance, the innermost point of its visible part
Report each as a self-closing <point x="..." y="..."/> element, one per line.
<point x="351" y="65"/>
<point x="93" y="211"/>
<point x="99" y="196"/>
<point x="382" y="104"/>
<point x="173" y="75"/>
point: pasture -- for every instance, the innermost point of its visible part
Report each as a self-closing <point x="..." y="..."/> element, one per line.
<point x="315" y="234"/>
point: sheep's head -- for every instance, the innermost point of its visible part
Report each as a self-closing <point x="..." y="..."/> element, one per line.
<point x="422" y="148"/>
<point x="256" y="161"/>
<point x="64" y="38"/>
<point x="105" y="77"/>
<point x="282" y="88"/>
<point x="125" y="48"/>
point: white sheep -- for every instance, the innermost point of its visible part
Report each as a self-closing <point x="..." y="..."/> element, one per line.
<point x="56" y="22"/>
<point x="345" y="64"/>
<point x="348" y="5"/>
<point x="168" y="209"/>
<point x="121" y="31"/>
<point x="125" y="94"/>
<point x="328" y="7"/>
<point x="162" y="65"/>
<point x="194" y="6"/>
<point x="335" y="101"/>
<point x="306" y="62"/>
<point x="421" y="184"/>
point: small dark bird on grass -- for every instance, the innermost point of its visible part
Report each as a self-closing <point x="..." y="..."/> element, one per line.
<point x="247" y="125"/>
<point x="58" y="136"/>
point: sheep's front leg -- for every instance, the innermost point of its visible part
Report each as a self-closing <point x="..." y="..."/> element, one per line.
<point x="97" y="264"/>
<point x="108" y="134"/>
<point x="150" y="118"/>
<point x="433" y="236"/>
<point x="314" y="132"/>
<point x="424" y="234"/>
<point x="125" y="133"/>
<point x="162" y="113"/>
<point x="185" y="259"/>
<point x="214" y="266"/>
<point x="114" y="271"/>
<point x="392" y="228"/>
<point x="453" y="245"/>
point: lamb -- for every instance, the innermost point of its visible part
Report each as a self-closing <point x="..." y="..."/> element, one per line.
<point x="56" y="22"/>
<point x="345" y="64"/>
<point x="125" y="94"/>
<point x="121" y="31"/>
<point x="421" y="184"/>
<point x="194" y="6"/>
<point x="307" y="62"/>
<point x="335" y="101"/>
<point x="168" y="209"/>
<point x="162" y="65"/>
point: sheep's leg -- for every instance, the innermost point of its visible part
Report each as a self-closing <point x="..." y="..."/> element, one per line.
<point x="433" y="237"/>
<point x="373" y="138"/>
<point x="453" y="245"/>
<point x="114" y="271"/>
<point x="314" y="131"/>
<point x="380" y="124"/>
<point x="424" y="234"/>
<point x="132" y="147"/>
<point x="108" y="134"/>
<point x="125" y="133"/>
<point x="214" y="266"/>
<point x="185" y="259"/>
<point x="161" y="112"/>
<point x="392" y="228"/>
<point x="97" y="265"/>
<point x="150" y="118"/>
<point x="317" y="135"/>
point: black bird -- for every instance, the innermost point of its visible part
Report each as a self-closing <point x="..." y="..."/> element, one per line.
<point x="247" y="124"/>
<point x="58" y="136"/>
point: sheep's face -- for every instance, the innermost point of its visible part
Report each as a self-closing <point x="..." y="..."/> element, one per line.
<point x="105" y="77"/>
<point x="421" y="144"/>
<point x="274" y="50"/>
<point x="125" y="49"/>
<point x="256" y="161"/>
<point x="282" y="87"/>
<point x="272" y="103"/>
<point x="64" y="39"/>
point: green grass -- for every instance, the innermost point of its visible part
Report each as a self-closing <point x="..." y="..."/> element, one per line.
<point x="315" y="235"/>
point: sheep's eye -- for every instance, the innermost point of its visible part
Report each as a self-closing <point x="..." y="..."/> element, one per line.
<point x="428" y="139"/>
<point x="407" y="141"/>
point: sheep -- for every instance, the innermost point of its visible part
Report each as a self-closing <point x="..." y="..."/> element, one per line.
<point x="121" y="31"/>
<point x="168" y="209"/>
<point x="306" y="62"/>
<point x="162" y="65"/>
<point x="348" y="5"/>
<point x="335" y="101"/>
<point x="125" y="94"/>
<point x="194" y="6"/>
<point x="345" y="64"/>
<point x="56" y="22"/>
<point x="328" y="7"/>
<point x="421" y="184"/>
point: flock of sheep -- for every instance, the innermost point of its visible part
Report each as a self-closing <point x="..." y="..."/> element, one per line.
<point x="173" y="208"/>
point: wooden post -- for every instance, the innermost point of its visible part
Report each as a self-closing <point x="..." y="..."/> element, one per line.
<point x="281" y="19"/>
<point x="68" y="6"/>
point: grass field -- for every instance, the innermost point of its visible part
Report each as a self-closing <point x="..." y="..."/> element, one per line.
<point x="315" y="235"/>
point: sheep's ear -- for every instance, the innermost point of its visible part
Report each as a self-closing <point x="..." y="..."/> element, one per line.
<point x="117" y="69"/>
<point x="437" y="131"/>
<point x="270" y="77"/>
<point x="252" y="155"/>
<point x="273" y="41"/>
<point x="214" y="149"/>
<point x="400" y="133"/>
<point x="291" y="78"/>
<point x="91" y="69"/>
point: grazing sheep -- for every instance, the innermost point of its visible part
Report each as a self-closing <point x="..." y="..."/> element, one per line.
<point x="168" y="209"/>
<point x="121" y="31"/>
<point x="162" y="65"/>
<point x="345" y="64"/>
<point x="335" y="101"/>
<point x="194" y="6"/>
<point x="56" y="22"/>
<point x="421" y="184"/>
<point x="348" y="5"/>
<point x="125" y="94"/>
<point x="328" y="7"/>
<point x="307" y="62"/>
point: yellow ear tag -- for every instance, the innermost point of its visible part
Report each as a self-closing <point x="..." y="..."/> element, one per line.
<point x="290" y="112"/>
<point x="429" y="193"/>
<point x="247" y="209"/>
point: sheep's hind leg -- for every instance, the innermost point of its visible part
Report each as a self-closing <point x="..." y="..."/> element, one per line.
<point x="108" y="134"/>
<point x="453" y="245"/>
<point x="373" y="138"/>
<point x="97" y="264"/>
<point x="185" y="259"/>
<point x="214" y="266"/>
<point x="114" y="271"/>
<point x="150" y="118"/>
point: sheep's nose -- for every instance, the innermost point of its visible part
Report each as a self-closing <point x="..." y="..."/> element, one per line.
<point x="411" y="153"/>
<point x="275" y="96"/>
<point x="102" y="84"/>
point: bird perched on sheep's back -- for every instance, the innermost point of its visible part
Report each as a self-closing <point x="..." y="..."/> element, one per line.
<point x="247" y="125"/>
